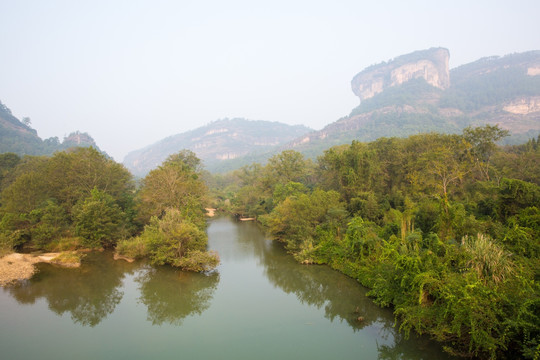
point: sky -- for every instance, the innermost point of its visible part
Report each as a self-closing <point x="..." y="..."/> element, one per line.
<point x="131" y="73"/>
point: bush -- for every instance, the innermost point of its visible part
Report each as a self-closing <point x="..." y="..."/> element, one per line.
<point x="99" y="220"/>
<point x="198" y="261"/>
<point x="134" y="248"/>
<point x="68" y="259"/>
<point x="6" y="244"/>
<point x="174" y="240"/>
<point x="65" y="243"/>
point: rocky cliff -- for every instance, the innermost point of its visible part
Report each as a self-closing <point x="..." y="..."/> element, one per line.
<point x="416" y="93"/>
<point x="430" y="65"/>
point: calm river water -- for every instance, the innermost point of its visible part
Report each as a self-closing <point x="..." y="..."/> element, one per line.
<point x="258" y="304"/>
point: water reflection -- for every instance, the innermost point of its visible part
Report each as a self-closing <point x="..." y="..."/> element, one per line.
<point x="254" y="274"/>
<point x="90" y="293"/>
<point x="343" y="298"/>
<point x="171" y="295"/>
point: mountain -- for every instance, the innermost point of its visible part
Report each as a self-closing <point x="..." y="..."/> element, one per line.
<point x="222" y="145"/>
<point x="418" y="93"/>
<point x="430" y="65"/>
<point x="413" y="93"/>
<point x="18" y="137"/>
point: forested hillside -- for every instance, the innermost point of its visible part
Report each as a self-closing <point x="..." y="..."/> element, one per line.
<point x="443" y="228"/>
<point x="18" y="137"/>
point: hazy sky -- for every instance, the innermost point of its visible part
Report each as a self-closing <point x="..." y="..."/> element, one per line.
<point x="133" y="72"/>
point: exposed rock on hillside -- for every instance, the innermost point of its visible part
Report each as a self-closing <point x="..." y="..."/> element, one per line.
<point x="430" y="65"/>
<point x="411" y="94"/>
<point x="415" y="93"/>
<point x="216" y="143"/>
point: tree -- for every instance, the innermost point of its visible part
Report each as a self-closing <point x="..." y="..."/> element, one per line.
<point x="176" y="241"/>
<point x="285" y="167"/>
<point x="294" y="220"/>
<point x="50" y="222"/>
<point x="175" y="184"/>
<point x="26" y="121"/>
<point x="8" y="161"/>
<point x="74" y="173"/>
<point x="99" y="220"/>
<point x="483" y="141"/>
<point x="441" y="164"/>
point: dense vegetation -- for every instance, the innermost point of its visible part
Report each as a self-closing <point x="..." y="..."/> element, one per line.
<point x="444" y="228"/>
<point x="81" y="199"/>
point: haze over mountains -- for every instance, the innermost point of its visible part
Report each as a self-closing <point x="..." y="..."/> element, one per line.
<point x="221" y="142"/>
<point x="410" y="94"/>
<point x="418" y="93"/>
<point x="18" y="137"/>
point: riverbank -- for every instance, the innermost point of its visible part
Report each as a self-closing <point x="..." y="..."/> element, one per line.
<point x="16" y="267"/>
<point x="210" y="212"/>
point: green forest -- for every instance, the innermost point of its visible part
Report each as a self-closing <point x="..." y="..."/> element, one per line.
<point x="442" y="228"/>
<point x="80" y="199"/>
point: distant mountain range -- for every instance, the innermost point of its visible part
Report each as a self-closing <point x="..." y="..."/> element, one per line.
<point x="221" y="145"/>
<point x="418" y="93"/>
<point x="410" y="94"/>
<point x="18" y="137"/>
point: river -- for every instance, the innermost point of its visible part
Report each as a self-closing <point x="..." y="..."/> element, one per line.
<point x="258" y="304"/>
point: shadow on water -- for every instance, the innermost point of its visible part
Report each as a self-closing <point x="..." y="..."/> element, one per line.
<point x="342" y="298"/>
<point x="171" y="295"/>
<point x="90" y="293"/>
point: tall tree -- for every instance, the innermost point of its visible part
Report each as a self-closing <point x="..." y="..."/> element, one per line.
<point x="99" y="220"/>
<point x="483" y="141"/>
<point x="177" y="184"/>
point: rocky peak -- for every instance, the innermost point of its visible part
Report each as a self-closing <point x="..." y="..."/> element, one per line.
<point x="430" y="65"/>
<point x="79" y="139"/>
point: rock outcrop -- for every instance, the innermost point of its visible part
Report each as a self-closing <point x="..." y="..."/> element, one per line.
<point x="417" y="93"/>
<point x="524" y="106"/>
<point x="430" y="65"/>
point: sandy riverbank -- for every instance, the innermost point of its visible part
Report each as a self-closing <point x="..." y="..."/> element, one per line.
<point x="210" y="212"/>
<point x="15" y="267"/>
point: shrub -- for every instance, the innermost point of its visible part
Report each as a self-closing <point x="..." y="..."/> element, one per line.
<point x="65" y="243"/>
<point x="134" y="248"/>
<point x="198" y="261"/>
<point x="99" y="220"/>
<point x="488" y="260"/>
<point x="69" y="259"/>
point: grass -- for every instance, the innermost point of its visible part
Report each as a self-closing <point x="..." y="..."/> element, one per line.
<point x="68" y="258"/>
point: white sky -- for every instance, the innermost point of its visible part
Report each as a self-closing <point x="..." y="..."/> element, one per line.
<point x="133" y="72"/>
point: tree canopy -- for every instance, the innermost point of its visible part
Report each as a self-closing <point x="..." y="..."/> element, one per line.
<point x="444" y="228"/>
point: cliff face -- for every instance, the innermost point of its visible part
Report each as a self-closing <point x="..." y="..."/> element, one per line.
<point x="416" y="93"/>
<point x="524" y="106"/>
<point x="431" y="65"/>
